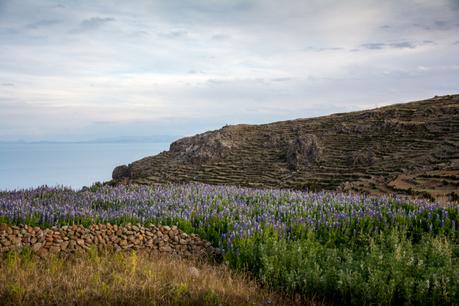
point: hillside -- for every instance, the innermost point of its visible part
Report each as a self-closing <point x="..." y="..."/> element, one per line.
<point x="411" y="148"/>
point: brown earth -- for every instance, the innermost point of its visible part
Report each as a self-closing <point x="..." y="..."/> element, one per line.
<point x="411" y="148"/>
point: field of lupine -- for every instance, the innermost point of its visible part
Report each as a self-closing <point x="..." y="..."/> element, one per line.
<point x="349" y="248"/>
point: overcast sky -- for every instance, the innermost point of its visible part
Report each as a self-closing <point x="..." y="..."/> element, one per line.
<point x="94" y="69"/>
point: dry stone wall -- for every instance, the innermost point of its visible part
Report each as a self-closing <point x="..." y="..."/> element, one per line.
<point x="105" y="237"/>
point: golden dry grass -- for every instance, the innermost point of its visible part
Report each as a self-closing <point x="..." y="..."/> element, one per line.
<point x="127" y="279"/>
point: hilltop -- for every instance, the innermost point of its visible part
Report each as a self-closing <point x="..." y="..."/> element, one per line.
<point x="410" y="148"/>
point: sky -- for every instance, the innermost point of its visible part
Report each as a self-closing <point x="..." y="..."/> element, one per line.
<point x="81" y="70"/>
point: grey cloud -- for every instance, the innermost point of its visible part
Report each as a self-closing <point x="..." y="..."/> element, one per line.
<point x="215" y="82"/>
<point x="9" y="31"/>
<point x="139" y="33"/>
<point x="8" y="84"/>
<point x="322" y="49"/>
<point x="284" y="79"/>
<point x="173" y="34"/>
<point x="220" y="37"/>
<point x="441" y="23"/>
<point x="436" y="25"/>
<point x="454" y="4"/>
<point x="95" y="22"/>
<point x="402" y="45"/>
<point x="204" y="11"/>
<point x="42" y="23"/>
<point x="373" y="46"/>
<point x="193" y="71"/>
<point x="395" y="45"/>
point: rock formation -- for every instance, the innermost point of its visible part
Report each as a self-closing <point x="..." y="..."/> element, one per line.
<point x="303" y="151"/>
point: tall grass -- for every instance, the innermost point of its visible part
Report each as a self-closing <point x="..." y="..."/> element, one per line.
<point x="126" y="279"/>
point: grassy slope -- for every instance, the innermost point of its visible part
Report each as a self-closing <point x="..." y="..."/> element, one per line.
<point x="367" y="149"/>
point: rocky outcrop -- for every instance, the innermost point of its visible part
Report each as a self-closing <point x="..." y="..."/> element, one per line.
<point x="105" y="237"/>
<point x="209" y="146"/>
<point x="121" y="172"/>
<point x="303" y="151"/>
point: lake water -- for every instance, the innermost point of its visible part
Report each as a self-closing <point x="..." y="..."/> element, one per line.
<point x="24" y="165"/>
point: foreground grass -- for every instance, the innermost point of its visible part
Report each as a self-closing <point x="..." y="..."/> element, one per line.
<point x="126" y="279"/>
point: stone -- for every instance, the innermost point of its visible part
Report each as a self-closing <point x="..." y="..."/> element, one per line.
<point x="3" y="227"/>
<point x="194" y="272"/>
<point x="42" y="252"/>
<point x="163" y="239"/>
<point x="64" y="245"/>
<point x="165" y="249"/>
<point x="54" y="249"/>
<point x="131" y="238"/>
<point x="37" y="246"/>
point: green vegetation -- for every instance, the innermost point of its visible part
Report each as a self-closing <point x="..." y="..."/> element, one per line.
<point x="346" y="248"/>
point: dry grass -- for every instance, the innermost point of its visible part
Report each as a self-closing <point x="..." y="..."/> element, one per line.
<point x="126" y="279"/>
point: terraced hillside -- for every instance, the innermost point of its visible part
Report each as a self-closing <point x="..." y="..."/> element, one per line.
<point x="412" y="147"/>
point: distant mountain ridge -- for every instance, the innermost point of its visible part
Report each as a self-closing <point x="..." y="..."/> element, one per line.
<point x="120" y="139"/>
<point x="411" y="148"/>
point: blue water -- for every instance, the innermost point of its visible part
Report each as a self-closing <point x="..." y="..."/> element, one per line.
<point x="25" y="165"/>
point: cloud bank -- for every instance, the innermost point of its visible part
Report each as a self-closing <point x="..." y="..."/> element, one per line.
<point x="92" y="69"/>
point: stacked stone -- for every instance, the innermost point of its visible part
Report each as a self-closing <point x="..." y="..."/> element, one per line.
<point x="105" y="237"/>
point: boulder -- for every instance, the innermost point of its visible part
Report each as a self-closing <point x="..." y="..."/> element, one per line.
<point x="121" y="172"/>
